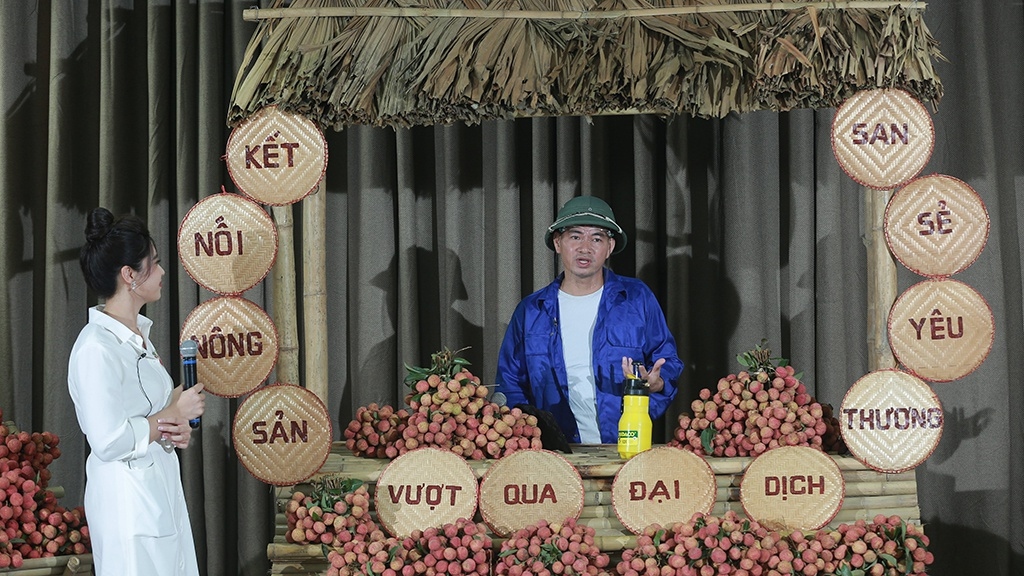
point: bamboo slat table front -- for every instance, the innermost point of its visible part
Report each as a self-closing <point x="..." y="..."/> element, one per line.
<point x="77" y="565"/>
<point x="867" y="493"/>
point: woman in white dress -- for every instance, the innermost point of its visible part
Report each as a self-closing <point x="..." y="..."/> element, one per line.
<point x="130" y="411"/>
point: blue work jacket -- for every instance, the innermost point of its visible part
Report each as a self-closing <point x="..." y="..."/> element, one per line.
<point x="531" y="365"/>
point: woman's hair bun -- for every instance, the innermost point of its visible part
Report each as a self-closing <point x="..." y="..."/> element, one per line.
<point x="99" y="224"/>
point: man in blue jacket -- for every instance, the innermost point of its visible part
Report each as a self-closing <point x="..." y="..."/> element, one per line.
<point x="569" y="345"/>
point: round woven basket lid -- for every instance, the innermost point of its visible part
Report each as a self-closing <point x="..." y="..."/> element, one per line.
<point x="936" y="225"/>
<point x="891" y="421"/>
<point x="282" y="434"/>
<point x="425" y="488"/>
<point x="237" y="345"/>
<point x="941" y="329"/>
<point x="528" y="486"/>
<point x="662" y="486"/>
<point x="227" y="243"/>
<point x="276" y="157"/>
<point x="792" y="488"/>
<point x="882" y="138"/>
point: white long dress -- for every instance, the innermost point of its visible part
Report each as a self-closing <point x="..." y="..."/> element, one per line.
<point x="134" y="502"/>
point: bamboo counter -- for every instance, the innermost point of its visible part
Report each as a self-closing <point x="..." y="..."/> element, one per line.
<point x="77" y="565"/>
<point x="867" y="493"/>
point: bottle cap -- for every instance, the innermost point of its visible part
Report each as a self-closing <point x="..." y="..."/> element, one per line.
<point x="636" y="388"/>
<point x="635" y="384"/>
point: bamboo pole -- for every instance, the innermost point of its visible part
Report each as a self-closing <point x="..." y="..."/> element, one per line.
<point x="314" y="292"/>
<point x="881" y="280"/>
<point x="53" y="565"/>
<point x="284" y="297"/>
<point x="73" y="566"/>
<point x="255" y="14"/>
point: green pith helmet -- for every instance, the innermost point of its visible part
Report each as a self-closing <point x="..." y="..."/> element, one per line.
<point x="587" y="211"/>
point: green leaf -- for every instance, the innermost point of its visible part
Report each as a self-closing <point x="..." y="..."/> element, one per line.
<point x="844" y="570"/>
<point x="707" y="435"/>
<point x="889" y="559"/>
<point x="325" y="549"/>
<point x="657" y="537"/>
<point x="549" y="553"/>
<point x="508" y="552"/>
<point x="351" y="484"/>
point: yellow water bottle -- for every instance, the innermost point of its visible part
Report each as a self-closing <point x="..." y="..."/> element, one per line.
<point x="635" y="423"/>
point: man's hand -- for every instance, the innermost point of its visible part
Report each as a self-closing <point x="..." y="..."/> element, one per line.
<point x="653" y="376"/>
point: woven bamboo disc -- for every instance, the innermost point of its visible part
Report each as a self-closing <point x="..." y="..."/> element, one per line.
<point x="424" y="488"/>
<point x="662" y="486"/>
<point x="891" y="421"/>
<point x="282" y="434"/>
<point x="227" y="243"/>
<point x="237" y="341"/>
<point x="882" y="138"/>
<point x="792" y="488"/>
<point x="936" y="225"/>
<point x="276" y="157"/>
<point x="528" y="486"/>
<point x="941" y="329"/>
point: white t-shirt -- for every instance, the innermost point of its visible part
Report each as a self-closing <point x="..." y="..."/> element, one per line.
<point x="577" y="317"/>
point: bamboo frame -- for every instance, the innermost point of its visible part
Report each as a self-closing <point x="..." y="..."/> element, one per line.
<point x="65" y="565"/>
<point x="284" y="298"/>
<point x="314" y="293"/>
<point x="881" y="279"/>
<point x="256" y="14"/>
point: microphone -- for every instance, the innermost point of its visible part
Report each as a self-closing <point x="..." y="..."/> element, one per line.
<point x="188" y="370"/>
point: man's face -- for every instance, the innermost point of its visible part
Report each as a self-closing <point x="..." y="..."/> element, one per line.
<point x="584" y="249"/>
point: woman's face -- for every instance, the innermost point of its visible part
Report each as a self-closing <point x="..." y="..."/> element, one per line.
<point x="150" y="280"/>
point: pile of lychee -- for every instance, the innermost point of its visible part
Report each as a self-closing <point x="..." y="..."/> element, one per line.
<point x="730" y="545"/>
<point x="32" y="523"/>
<point x="542" y="549"/>
<point x="757" y="409"/>
<point x="449" y="409"/>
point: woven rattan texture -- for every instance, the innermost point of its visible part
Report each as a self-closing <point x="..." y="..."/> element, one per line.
<point x="882" y="138"/>
<point x="936" y="225"/>
<point x="941" y="329"/>
<point x="792" y="488"/>
<point x="227" y="243"/>
<point x="238" y="345"/>
<point x="427" y="487"/>
<point x="891" y="421"/>
<point x="662" y="486"/>
<point x="282" y="434"/>
<point x="527" y="486"/>
<point x="276" y="157"/>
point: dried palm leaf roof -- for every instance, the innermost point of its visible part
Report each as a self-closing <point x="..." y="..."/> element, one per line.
<point x="420" y="62"/>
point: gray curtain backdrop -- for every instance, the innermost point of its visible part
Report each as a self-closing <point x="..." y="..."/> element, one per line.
<point x="746" y="228"/>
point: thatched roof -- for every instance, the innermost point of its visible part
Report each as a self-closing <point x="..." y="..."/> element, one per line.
<point x="416" y="62"/>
